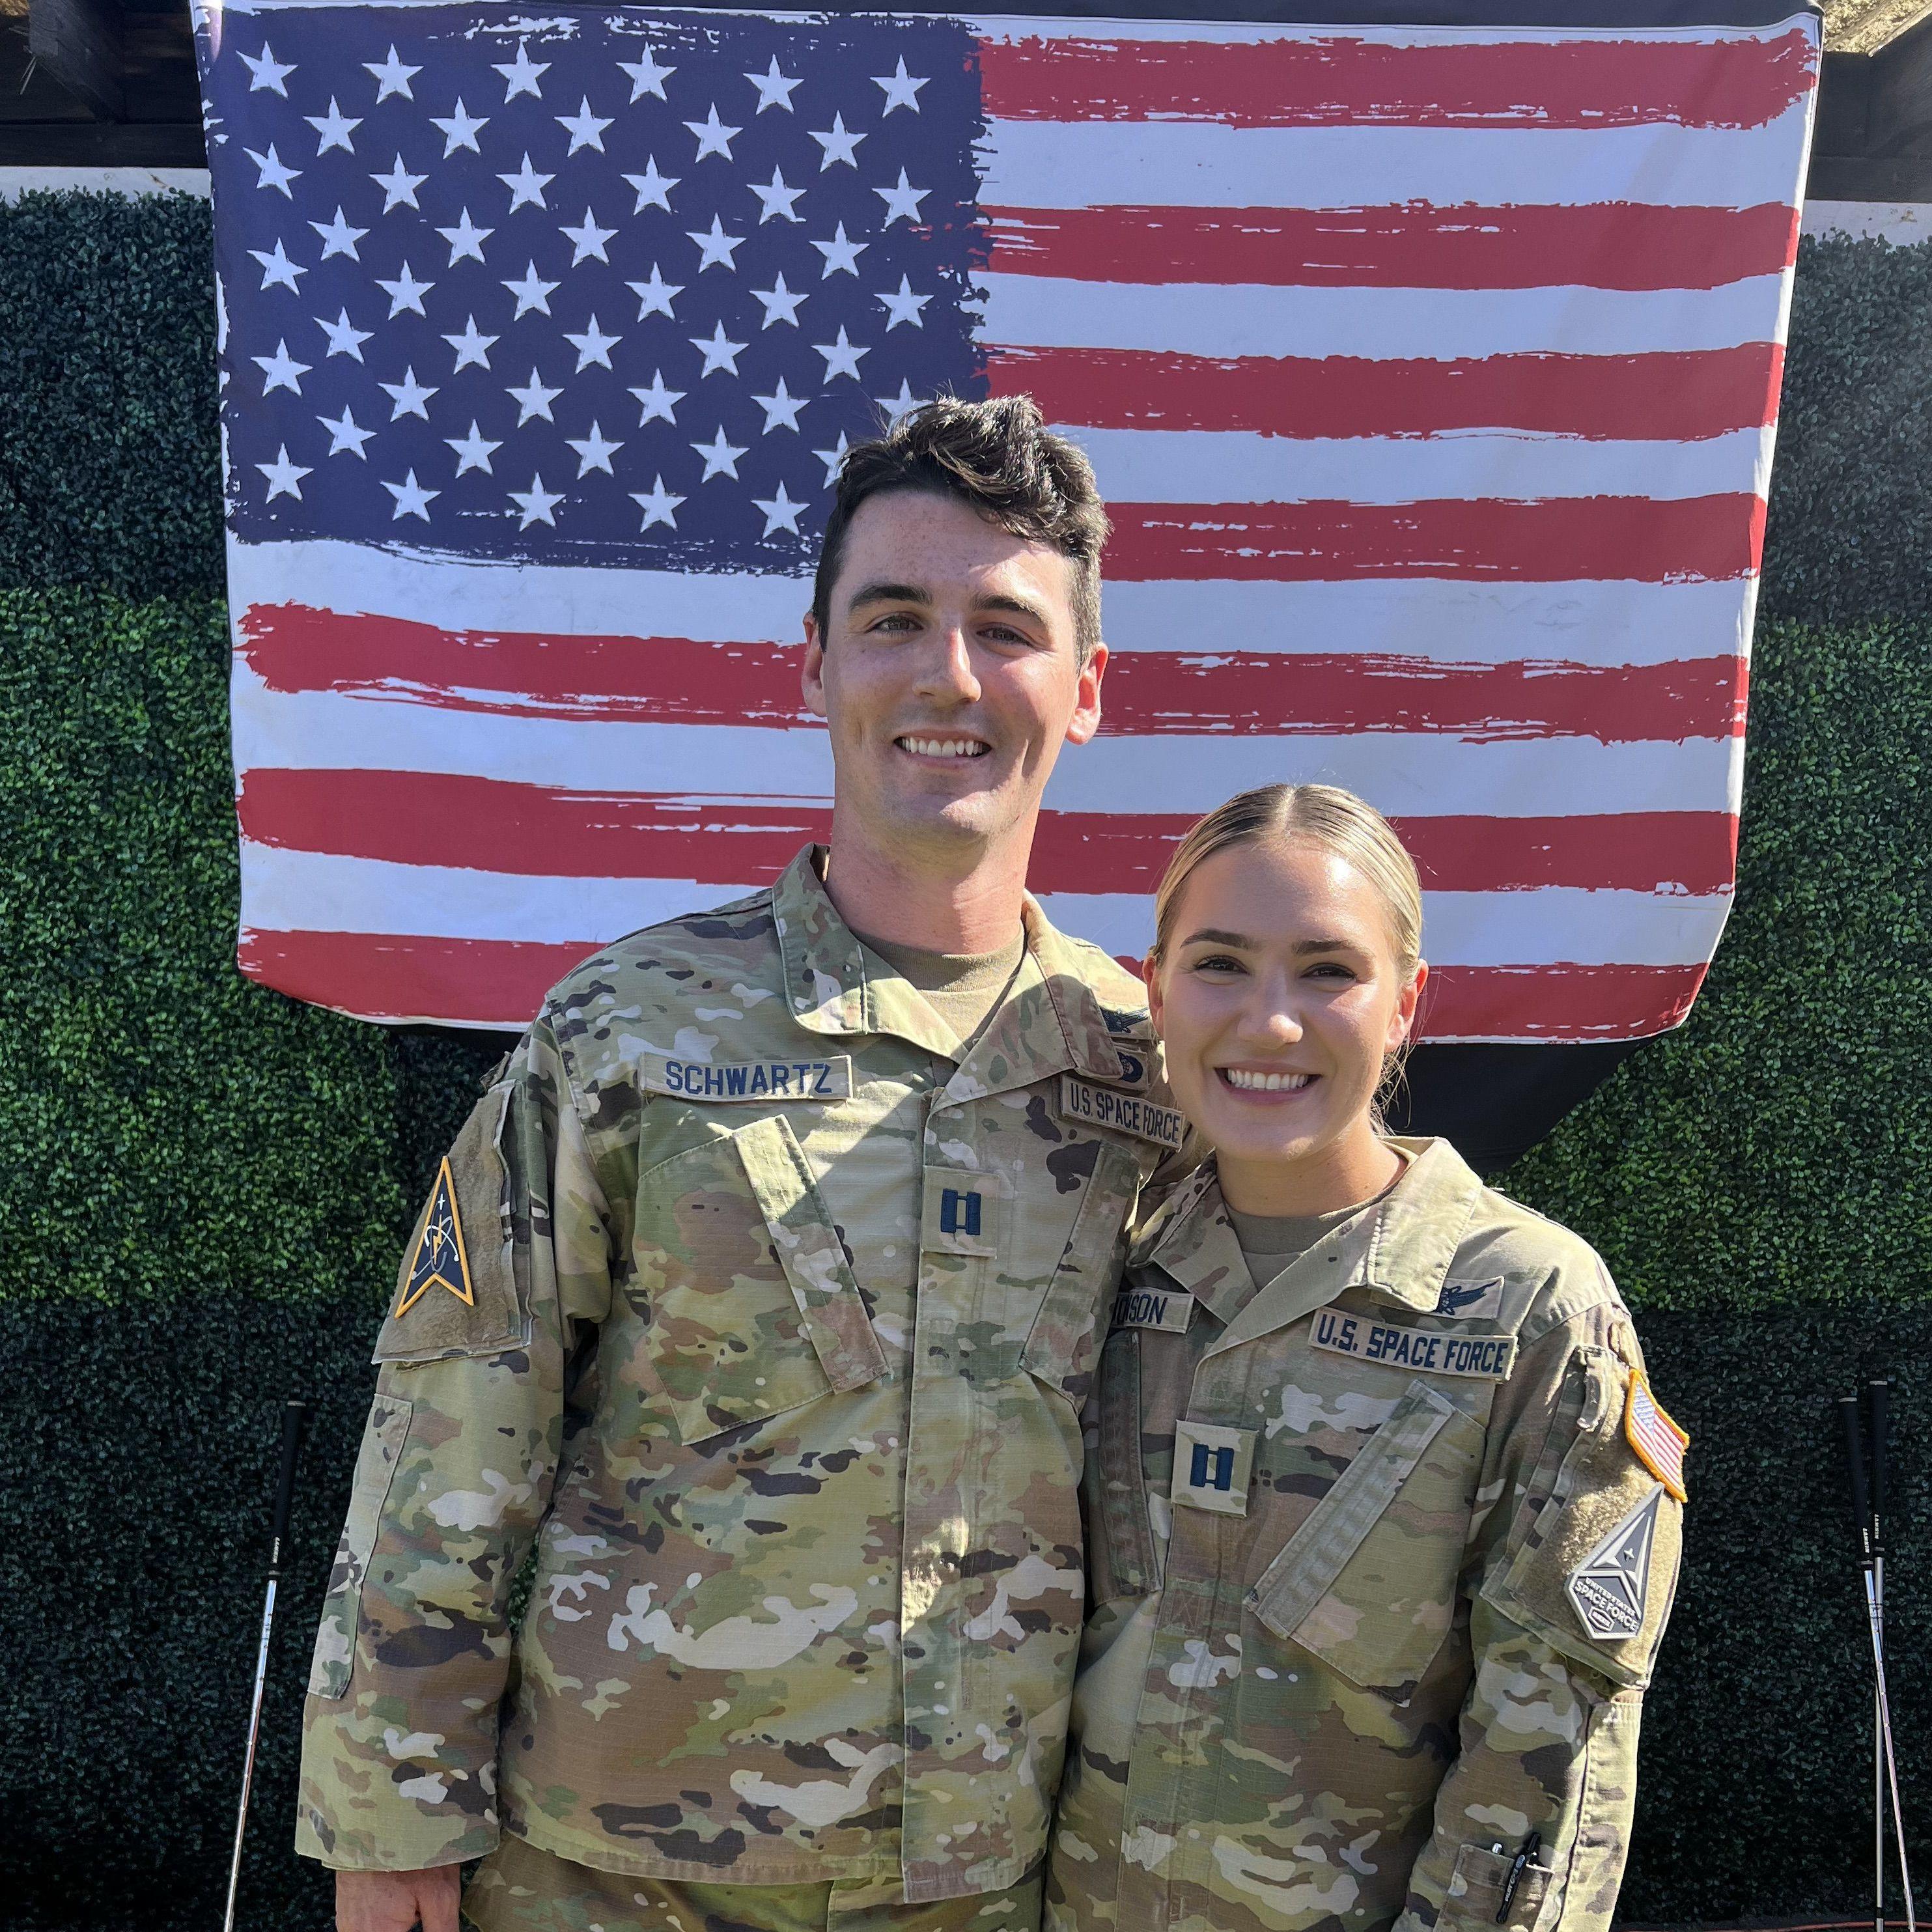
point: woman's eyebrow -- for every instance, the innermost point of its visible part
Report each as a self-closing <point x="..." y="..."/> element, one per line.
<point x="1213" y="935"/>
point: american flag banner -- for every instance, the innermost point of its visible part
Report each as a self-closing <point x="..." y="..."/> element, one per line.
<point x="1430" y="373"/>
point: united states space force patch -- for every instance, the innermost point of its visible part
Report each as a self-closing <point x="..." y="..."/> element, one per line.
<point x="440" y="1260"/>
<point x="1609" y="1589"/>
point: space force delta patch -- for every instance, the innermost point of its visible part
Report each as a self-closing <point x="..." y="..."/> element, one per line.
<point x="1125" y="1113"/>
<point x="748" y="1079"/>
<point x="1488" y="1357"/>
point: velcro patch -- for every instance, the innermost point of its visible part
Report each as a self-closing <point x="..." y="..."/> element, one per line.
<point x="1212" y="1466"/>
<point x="1136" y="1069"/>
<point x="1125" y="1113"/>
<point x="1485" y="1357"/>
<point x="1170" y="1308"/>
<point x="748" y="1079"/>
<point x="440" y="1260"/>
<point x="1471" y="1301"/>
<point x="1659" y="1443"/>
<point x="1610" y="1588"/>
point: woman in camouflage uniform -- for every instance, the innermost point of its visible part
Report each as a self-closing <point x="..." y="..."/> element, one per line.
<point x="1384" y="1520"/>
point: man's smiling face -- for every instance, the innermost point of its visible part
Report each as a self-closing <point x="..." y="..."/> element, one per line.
<point x="950" y="676"/>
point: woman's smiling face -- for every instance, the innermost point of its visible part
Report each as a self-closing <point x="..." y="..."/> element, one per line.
<point x="1278" y="997"/>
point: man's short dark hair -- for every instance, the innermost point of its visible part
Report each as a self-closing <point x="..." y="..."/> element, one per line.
<point x="998" y="457"/>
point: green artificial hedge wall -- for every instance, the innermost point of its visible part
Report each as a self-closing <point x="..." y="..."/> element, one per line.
<point x="203" y="1185"/>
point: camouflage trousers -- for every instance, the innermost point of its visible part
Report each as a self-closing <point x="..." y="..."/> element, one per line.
<point x="519" y="1888"/>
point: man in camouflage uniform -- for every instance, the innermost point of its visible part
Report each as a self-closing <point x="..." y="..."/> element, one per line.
<point x="1382" y="1550"/>
<point x="760" y="1294"/>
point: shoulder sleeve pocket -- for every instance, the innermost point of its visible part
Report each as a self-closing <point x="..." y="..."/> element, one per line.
<point x="382" y="1440"/>
<point x="456" y="1292"/>
<point x="1596" y="1573"/>
<point x="1368" y="1582"/>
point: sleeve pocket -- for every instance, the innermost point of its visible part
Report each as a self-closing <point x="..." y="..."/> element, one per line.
<point x="382" y="1440"/>
<point x="1368" y="1589"/>
<point x="1476" y="1890"/>
<point x="1601" y="1489"/>
<point x="753" y="1309"/>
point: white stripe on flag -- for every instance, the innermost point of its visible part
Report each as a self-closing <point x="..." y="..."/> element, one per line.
<point x="1588" y="623"/>
<point x="1205" y="164"/>
<point x="320" y="892"/>
<point x="1404" y="774"/>
<point x="1444" y="325"/>
<point x="1199" y="465"/>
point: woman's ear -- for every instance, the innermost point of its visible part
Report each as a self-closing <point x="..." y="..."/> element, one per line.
<point x="1151" y="973"/>
<point x="1402" y="1023"/>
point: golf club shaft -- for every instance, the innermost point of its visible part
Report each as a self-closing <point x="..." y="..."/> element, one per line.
<point x="1891" y="1756"/>
<point x="248" y="1762"/>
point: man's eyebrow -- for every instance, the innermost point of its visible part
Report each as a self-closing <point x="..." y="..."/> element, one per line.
<point x="1018" y="605"/>
<point x="880" y="591"/>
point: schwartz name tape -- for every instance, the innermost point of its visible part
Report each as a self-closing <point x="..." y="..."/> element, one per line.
<point x="748" y="1079"/>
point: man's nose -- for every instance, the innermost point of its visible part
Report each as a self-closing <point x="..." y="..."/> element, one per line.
<point x="946" y="668"/>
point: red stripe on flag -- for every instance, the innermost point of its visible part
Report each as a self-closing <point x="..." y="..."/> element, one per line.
<point x="663" y="680"/>
<point x="439" y="818"/>
<point x="503" y="982"/>
<point x="291" y="647"/>
<point x="1608" y="245"/>
<point x="1670" y="396"/>
<point x="1559" y="540"/>
<point x="1553" y="1003"/>
<point x="402" y="976"/>
<point x="1335" y="81"/>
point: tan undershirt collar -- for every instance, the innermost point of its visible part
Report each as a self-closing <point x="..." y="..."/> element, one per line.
<point x="962" y="988"/>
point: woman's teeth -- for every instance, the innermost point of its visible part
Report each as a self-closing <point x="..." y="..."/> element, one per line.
<point x="1264" y="1083"/>
<point x="944" y="747"/>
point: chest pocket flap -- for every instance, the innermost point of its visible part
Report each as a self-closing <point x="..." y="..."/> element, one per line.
<point x="753" y="1307"/>
<point x="1368" y="1582"/>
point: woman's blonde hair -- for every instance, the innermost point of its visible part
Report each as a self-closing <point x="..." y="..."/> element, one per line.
<point x="1327" y="816"/>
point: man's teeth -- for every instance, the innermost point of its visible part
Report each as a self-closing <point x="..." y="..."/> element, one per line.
<point x="1266" y="1083"/>
<point x="944" y="747"/>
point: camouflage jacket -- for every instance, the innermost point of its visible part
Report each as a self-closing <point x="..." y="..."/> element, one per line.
<point x="770" y="1325"/>
<point x="1381" y="1557"/>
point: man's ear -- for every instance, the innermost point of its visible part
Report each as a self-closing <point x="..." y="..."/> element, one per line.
<point x="1086" y="719"/>
<point x="811" y="672"/>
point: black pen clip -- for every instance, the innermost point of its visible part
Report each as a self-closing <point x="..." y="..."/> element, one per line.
<point x="1518" y="1865"/>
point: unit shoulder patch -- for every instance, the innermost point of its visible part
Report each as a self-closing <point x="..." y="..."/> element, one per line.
<point x="441" y="1259"/>
<point x="747" y="1080"/>
<point x="1659" y="1443"/>
<point x="1420" y="1350"/>
<point x="1125" y="1113"/>
<point x="1610" y="1589"/>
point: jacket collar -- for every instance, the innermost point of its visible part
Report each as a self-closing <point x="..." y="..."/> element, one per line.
<point x="1050" y="1022"/>
<point x="1399" y="1250"/>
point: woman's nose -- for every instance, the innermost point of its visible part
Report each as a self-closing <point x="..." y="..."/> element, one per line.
<point x="1272" y="1021"/>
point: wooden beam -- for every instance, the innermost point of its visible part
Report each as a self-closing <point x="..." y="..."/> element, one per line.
<point x="79" y="43"/>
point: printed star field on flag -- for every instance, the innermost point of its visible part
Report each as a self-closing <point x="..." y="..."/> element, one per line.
<point x="1430" y="373"/>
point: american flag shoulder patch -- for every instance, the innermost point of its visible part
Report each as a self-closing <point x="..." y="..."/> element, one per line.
<point x="1658" y="1442"/>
